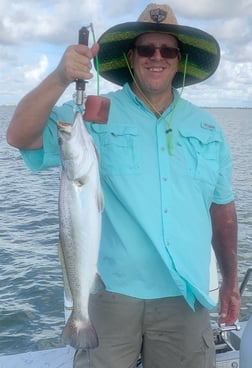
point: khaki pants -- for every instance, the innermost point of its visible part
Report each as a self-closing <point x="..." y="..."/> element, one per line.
<point x="166" y="332"/>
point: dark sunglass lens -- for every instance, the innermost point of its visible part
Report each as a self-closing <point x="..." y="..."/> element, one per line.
<point x="149" y="51"/>
<point x="168" y="52"/>
<point x="145" y="50"/>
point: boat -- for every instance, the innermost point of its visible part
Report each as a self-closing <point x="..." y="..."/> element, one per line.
<point x="228" y="343"/>
<point x="51" y="358"/>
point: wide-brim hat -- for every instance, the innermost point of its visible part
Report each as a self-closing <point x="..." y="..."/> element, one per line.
<point x="202" y="50"/>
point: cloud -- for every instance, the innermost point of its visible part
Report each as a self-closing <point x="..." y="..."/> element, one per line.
<point x="35" y="33"/>
<point x="205" y="9"/>
<point x="36" y="73"/>
<point x="50" y="21"/>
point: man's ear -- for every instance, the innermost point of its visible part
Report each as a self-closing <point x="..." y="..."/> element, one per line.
<point x="130" y="57"/>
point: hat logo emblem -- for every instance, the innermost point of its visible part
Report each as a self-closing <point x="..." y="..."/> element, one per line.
<point x="158" y="15"/>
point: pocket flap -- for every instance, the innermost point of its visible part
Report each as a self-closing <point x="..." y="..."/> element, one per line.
<point x="115" y="130"/>
<point x="207" y="134"/>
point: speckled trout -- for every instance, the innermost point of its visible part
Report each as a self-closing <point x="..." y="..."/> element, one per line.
<point x="80" y="208"/>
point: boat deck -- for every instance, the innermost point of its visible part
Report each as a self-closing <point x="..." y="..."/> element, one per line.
<point x="53" y="358"/>
<point x="63" y="357"/>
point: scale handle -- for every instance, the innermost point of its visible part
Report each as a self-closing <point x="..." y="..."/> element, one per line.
<point x="80" y="83"/>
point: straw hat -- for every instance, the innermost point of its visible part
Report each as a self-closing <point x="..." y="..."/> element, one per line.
<point x="202" y="49"/>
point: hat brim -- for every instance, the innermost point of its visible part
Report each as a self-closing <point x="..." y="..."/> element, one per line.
<point x="202" y="49"/>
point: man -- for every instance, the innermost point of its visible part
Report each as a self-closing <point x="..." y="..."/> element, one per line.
<point x="165" y="172"/>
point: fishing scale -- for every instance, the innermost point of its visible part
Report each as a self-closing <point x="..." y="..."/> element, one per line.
<point x="96" y="108"/>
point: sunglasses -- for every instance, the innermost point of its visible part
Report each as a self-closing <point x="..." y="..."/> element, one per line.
<point x="165" y="51"/>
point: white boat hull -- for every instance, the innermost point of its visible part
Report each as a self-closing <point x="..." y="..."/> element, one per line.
<point x="53" y="358"/>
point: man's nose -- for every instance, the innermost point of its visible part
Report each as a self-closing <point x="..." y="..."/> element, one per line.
<point x="157" y="54"/>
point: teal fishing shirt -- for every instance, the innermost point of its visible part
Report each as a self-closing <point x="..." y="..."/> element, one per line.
<point x="156" y="230"/>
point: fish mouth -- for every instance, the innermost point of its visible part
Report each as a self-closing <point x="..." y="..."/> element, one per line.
<point x="63" y="123"/>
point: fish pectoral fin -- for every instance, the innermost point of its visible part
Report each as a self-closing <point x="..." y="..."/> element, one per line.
<point x="98" y="285"/>
<point x="79" y="182"/>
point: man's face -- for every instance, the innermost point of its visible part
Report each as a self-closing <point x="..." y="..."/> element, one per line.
<point x="155" y="73"/>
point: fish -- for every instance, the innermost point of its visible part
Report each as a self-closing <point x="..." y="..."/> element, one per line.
<point x="80" y="211"/>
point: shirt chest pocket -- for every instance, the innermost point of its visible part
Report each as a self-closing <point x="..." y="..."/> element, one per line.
<point x="118" y="149"/>
<point x="201" y="154"/>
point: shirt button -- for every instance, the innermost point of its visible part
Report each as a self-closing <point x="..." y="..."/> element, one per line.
<point x="164" y="178"/>
<point x="162" y="149"/>
<point x="166" y="210"/>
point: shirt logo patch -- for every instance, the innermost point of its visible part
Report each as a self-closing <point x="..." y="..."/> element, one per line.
<point x="207" y="126"/>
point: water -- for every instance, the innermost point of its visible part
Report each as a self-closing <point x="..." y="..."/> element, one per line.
<point x="237" y="126"/>
<point x="31" y="288"/>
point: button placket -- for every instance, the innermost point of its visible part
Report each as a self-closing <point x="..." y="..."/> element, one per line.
<point x="164" y="182"/>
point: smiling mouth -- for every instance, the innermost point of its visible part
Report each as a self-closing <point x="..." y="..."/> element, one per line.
<point x="156" y="69"/>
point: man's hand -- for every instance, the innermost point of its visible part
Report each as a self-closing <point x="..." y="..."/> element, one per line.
<point x="76" y="64"/>
<point x="229" y="304"/>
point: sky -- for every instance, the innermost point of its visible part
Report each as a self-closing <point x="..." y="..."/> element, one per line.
<point x="35" y="33"/>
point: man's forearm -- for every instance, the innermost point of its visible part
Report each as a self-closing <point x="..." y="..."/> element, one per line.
<point x="26" y="127"/>
<point x="224" y="241"/>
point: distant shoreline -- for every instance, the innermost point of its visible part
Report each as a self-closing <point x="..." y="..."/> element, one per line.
<point x="203" y="107"/>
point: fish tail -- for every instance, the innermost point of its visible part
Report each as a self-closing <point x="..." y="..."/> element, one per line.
<point x="79" y="334"/>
